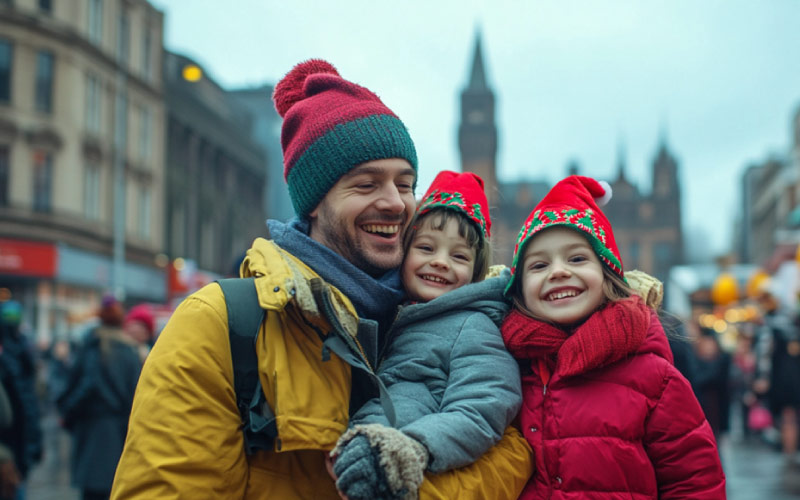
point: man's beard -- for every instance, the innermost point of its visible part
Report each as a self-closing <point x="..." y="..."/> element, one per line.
<point x="339" y="239"/>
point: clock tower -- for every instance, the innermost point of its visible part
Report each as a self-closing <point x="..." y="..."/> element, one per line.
<point x="477" y="133"/>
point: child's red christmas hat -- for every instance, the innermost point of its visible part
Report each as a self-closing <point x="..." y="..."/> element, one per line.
<point x="573" y="202"/>
<point x="462" y="192"/>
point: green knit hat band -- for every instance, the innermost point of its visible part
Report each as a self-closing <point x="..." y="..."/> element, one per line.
<point x="348" y="144"/>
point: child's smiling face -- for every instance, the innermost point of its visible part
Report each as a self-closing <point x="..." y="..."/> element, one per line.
<point x="562" y="280"/>
<point x="437" y="261"/>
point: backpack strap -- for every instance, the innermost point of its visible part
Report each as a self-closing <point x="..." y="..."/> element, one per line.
<point x="245" y="317"/>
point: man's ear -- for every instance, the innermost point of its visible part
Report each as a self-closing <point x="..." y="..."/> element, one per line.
<point x="312" y="221"/>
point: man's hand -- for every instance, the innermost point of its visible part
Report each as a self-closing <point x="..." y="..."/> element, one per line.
<point x="329" y="468"/>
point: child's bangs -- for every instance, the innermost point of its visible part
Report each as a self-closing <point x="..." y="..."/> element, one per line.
<point x="438" y="219"/>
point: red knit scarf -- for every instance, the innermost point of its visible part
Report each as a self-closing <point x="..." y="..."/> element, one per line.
<point x="608" y="335"/>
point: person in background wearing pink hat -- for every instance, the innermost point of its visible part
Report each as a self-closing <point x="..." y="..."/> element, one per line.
<point x="329" y="286"/>
<point x="455" y="387"/>
<point x="604" y="409"/>
<point x="140" y="325"/>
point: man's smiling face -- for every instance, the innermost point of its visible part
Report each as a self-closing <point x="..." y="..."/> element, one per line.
<point x="365" y="214"/>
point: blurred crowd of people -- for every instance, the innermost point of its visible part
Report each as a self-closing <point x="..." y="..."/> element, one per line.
<point x="88" y="382"/>
<point x="20" y="434"/>
<point x="746" y="374"/>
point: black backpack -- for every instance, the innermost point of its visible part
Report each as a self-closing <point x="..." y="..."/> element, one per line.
<point x="245" y="316"/>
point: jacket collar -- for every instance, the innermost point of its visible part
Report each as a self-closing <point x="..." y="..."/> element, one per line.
<point x="374" y="298"/>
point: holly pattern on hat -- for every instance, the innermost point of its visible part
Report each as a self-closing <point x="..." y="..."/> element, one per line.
<point x="572" y="203"/>
<point x="443" y="199"/>
<point x="462" y="192"/>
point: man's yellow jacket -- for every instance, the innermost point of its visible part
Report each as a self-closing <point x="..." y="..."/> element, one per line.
<point x="185" y="440"/>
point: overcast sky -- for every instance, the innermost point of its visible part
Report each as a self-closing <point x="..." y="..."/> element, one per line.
<point x="573" y="79"/>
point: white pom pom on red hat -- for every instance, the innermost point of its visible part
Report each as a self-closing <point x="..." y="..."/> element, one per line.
<point x="603" y="200"/>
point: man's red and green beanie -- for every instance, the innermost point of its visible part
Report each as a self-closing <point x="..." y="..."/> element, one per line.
<point x="331" y="125"/>
<point x="573" y="202"/>
<point x="462" y="192"/>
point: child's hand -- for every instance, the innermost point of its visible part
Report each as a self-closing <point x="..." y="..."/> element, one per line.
<point x="358" y="472"/>
<point x="375" y="462"/>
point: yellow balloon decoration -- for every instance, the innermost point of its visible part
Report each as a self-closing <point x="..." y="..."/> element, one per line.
<point x="724" y="290"/>
<point x="756" y="283"/>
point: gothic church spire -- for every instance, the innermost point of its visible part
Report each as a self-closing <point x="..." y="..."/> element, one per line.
<point x="477" y="79"/>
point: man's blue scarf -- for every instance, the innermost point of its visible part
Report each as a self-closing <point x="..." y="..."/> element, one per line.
<point x="373" y="298"/>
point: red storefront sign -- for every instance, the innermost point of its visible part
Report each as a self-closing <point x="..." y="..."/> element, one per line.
<point x="28" y="258"/>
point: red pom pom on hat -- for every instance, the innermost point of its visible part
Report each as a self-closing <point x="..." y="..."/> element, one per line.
<point x="291" y="88"/>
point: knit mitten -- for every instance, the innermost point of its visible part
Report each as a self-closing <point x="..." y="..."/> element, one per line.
<point x="358" y="471"/>
<point x="495" y="271"/>
<point x="650" y="289"/>
<point x="378" y="462"/>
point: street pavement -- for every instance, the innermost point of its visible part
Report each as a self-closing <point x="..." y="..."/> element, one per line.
<point x="755" y="470"/>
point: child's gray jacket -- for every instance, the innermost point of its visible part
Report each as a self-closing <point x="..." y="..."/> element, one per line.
<point x="454" y="386"/>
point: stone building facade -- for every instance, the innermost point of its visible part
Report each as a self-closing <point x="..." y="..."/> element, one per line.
<point x="81" y="153"/>
<point x="215" y="174"/>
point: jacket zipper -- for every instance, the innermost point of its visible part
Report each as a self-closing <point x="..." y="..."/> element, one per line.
<point x="318" y="288"/>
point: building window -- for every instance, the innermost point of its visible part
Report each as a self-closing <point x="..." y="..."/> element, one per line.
<point x="91" y="188"/>
<point x="207" y="244"/>
<point x="663" y="252"/>
<point x="143" y="228"/>
<point x="44" y="82"/>
<point x="147" y="54"/>
<point x="663" y="258"/>
<point x="633" y="259"/>
<point x="5" y="165"/>
<point x="6" y="58"/>
<point x="93" y="104"/>
<point x="42" y="181"/>
<point x="123" y="37"/>
<point x="178" y="231"/>
<point x="96" y="21"/>
<point x="46" y="6"/>
<point x="145" y="124"/>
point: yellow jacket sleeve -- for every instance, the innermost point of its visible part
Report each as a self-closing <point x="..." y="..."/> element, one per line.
<point x="500" y="474"/>
<point x="184" y="439"/>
